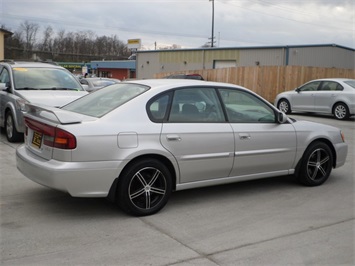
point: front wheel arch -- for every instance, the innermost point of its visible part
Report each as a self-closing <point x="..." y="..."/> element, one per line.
<point x="287" y="103"/>
<point x="12" y="134"/>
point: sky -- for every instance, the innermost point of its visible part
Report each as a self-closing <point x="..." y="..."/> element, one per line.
<point x="188" y="23"/>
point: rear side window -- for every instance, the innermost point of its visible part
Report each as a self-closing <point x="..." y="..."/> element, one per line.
<point x="331" y="86"/>
<point x="351" y="83"/>
<point x="200" y="105"/>
<point x="105" y="100"/>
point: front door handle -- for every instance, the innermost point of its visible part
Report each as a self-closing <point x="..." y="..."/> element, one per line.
<point x="244" y="136"/>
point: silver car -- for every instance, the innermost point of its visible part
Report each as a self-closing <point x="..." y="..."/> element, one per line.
<point x="329" y="96"/>
<point x="94" y="84"/>
<point x="35" y="82"/>
<point x="135" y="142"/>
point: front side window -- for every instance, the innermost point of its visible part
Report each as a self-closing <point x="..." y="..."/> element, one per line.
<point x="244" y="107"/>
<point x="4" y="76"/>
<point x="312" y="86"/>
<point x="105" y="100"/>
<point x="199" y="105"/>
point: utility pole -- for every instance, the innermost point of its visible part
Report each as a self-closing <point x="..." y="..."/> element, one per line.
<point x="212" y="38"/>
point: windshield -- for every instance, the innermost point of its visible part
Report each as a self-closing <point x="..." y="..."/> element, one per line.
<point x="31" y="78"/>
<point x="105" y="100"/>
<point x="350" y="83"/>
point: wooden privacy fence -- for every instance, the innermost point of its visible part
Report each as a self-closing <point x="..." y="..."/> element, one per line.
<point x="268" y="81"/>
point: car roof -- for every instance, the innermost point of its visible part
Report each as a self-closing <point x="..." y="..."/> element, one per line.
<point x="14" y="64"/>
<point x="172" y="83"/>
<point x="332" y="79"/>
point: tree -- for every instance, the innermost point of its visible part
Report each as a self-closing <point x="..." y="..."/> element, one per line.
<point x="62" y="46"/>
<point x="29" y="31"/>
<point x="47" y="42"/>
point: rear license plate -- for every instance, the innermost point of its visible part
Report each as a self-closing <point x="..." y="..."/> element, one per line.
<point x="37" y="139"/>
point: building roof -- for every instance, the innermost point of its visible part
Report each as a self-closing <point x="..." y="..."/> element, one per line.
<point x="251" y="47"/>
<point x="6" y="32"/>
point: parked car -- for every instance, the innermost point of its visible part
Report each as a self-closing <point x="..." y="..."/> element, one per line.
<point x="135" y="142"/>
<point x="94" y="84"/>
<point x="185" y="76"/>
<point x="32" y="82"/>
<point x="329" y="96"/>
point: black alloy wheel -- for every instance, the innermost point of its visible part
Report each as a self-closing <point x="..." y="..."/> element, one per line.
<point x="316" y="164"/>
<point x="144" y="188"/>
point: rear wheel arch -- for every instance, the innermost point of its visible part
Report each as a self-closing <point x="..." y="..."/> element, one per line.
<point x="157" y="157"/>
<point x="113" y="193"/>
<point x="347" y="112"/>
<point x="145" y="185"/>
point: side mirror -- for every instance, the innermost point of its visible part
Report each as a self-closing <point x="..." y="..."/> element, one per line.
<point x="3" y="86"/>
<point x="281" y="118"/>
<point x="85" y="87"/>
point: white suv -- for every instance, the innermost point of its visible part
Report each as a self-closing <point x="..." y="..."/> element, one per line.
<point x="32" y="82"/>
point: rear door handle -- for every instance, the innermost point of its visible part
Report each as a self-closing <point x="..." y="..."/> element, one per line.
<point x="173" y="138"/>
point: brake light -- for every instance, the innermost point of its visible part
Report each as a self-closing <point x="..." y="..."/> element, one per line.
<point x="52" y="136"/>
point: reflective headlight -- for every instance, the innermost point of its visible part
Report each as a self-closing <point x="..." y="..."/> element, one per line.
<point x="20" y="104"/>
<point x="342" y="136"/>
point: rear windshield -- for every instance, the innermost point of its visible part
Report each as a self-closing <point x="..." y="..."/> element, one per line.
<point x="40" y="78"/>
<point x="350" y="83"/>
<point x="105" y="100"/>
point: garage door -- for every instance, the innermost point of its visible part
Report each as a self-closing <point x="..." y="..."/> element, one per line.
<point x="224" y="63"/>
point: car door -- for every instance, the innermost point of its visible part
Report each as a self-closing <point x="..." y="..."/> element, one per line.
<point x="263" y="147"/>
<point x="198" y="136"/>
<point x="326" y="96"/>
<point x="304" y="97"/>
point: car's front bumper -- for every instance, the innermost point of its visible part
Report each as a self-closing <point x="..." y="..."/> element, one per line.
<point x="341" y="150"/>
<point x="79" y="179"/>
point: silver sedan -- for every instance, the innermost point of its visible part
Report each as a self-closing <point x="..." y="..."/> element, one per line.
<point x="135" y="142"/>
<point x="330" y="96"/>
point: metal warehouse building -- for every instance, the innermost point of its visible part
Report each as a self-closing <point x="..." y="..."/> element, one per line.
<point x="149" y="63"/>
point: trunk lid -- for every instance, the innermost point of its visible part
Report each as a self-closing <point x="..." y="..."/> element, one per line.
<point x="44" y="133"/>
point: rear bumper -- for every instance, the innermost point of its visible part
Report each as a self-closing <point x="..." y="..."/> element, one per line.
<point x="79" y="179"/>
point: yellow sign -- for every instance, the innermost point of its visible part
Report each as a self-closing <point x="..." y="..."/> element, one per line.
<point x="134" y="43"/>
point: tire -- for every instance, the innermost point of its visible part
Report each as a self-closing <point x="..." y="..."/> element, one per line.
<point x="341" y="111"/>
<point x="12" y="134"/>
<point x="316" y="164"/>
<point x="284" y="106"/>
<point x="144" y="187"/>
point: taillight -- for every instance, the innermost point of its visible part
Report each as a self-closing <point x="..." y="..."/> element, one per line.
<point x="52" y="136"/>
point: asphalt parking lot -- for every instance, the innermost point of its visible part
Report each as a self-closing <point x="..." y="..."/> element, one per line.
<point x="264" y="222"/>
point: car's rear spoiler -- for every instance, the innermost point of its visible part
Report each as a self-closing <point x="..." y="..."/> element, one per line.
<point x="53" y="114"/>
